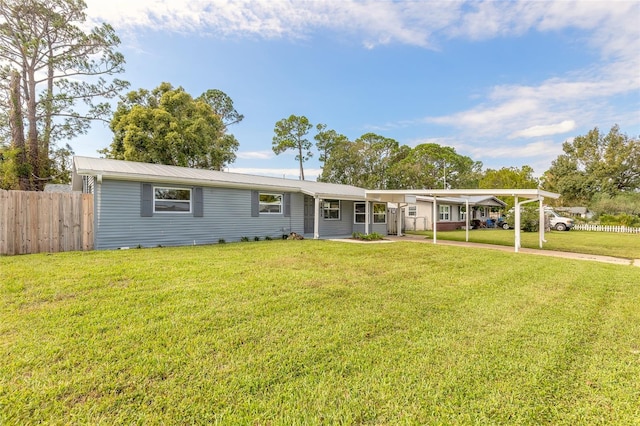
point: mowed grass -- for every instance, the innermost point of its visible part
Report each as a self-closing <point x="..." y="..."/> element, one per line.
<point x="602" y="243"/>
<point x="317" y="332"/>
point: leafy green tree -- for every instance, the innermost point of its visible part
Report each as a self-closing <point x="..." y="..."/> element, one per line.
<point x="508" y="177"/>
<point x="326" y="140"/>
<point x="53" y="78"/>
<point x="624" y="203"/>
<point x="431" y="166"/>
<point x="168" y="126"/>
<point x="342" y="164"/>
<point x="364" y="162"/>
<point x="290" y="135"/>
<point x="595" y="163"/>
<point x="377" y="155"/>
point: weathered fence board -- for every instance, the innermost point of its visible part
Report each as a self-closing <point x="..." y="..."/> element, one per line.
<point x="607" y="228"/>
<point x="35" y="222"/>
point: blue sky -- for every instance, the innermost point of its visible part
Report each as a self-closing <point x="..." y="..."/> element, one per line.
<point x="505" y="83"/>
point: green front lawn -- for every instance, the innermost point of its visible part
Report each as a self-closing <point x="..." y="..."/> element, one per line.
<point x="602" y="243"/>
<point x="317" y="332"/>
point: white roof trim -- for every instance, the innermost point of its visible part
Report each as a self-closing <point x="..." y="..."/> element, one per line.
<point x="387" y="195"/>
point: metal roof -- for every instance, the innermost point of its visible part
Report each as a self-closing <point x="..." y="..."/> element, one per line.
<point x="147" y="172"/>
<point x="393" y="195"/>
<point x="485" y="200"/>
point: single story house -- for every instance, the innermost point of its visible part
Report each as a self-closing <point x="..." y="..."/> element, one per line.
<point x="581" y="212"/>
<point x="452" y="212"/>
<point x="149" y="205"/>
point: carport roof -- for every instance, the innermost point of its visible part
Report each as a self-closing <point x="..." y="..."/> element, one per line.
<point x="404" y="195"/>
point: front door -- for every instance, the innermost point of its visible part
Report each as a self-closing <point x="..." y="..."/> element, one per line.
<point x="309" y="214"/>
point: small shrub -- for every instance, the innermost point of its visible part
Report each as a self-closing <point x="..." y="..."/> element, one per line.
<point x="529" y="219"/>
<point x="256" y="238"/>
<point x="244" y="239"/>
<point x="268" y="238"/>
<point x="221" y="241"/>
<point x="374" y="236"/>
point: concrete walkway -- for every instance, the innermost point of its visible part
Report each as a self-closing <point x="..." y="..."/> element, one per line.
<point x="551" y="253"/>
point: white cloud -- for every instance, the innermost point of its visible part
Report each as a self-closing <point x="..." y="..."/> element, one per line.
<point x="255" y="155"/>
<point x="545" y="149"/>
<point x="545" y="130"/>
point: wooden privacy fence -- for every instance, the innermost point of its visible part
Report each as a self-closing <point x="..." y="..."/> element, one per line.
<point x="36" y="222"/>
<point x="607" y="228"/>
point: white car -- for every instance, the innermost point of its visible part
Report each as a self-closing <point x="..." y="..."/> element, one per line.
<point x="557" y="222"/>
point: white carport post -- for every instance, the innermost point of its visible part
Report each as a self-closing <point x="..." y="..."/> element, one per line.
<point x="367" y="218"/>
<point x="466" y="215"/>
<point x="399" y="220"/>
<point x="518" y="207"/>
<point x="541" y="224"/>
<point x="316" y="219"/>
<point x="435" y="208"/>
<point x="516" y="244"/>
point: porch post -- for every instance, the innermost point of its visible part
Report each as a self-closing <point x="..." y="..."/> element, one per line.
<point x="367" y="213"/>
<point x="517" y="233"/>
<point x="541" y="225"/>
<point x="435" y="209"/>
<point x="316" y="218"/>
<point x="466" y="216"/>
<point x="399" y="221"/>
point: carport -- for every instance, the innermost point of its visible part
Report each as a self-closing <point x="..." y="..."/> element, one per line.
<point x="522" y="196"/>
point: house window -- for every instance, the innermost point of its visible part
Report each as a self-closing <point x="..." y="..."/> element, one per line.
<point x="379" y="213"/>
<point x="462" y="211"/>
<point x="445" y="213"/>
<point x="359" y="212"/>
<point x="413" y="210"/>
<point x="270" y="203"/>
<point x="331" y="209"/>
<point x="171" y="200"/>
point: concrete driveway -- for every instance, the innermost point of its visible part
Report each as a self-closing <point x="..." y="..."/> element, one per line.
<point x="551" y="253"/>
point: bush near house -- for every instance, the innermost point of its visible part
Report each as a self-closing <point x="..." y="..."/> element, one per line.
<point x="529" y="219"/>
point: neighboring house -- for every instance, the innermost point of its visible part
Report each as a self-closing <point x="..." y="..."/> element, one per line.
<point x="451" y="212"/>
<point x="581" y="212"/>
<point x="148" y="205"/>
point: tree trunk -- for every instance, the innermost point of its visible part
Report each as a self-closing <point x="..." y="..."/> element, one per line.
<point x="300" y="156"/>
<point x="17" y="131"/>
<point x="32" y="138"/>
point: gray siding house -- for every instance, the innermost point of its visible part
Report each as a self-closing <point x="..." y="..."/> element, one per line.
<point x="148" y="205"/>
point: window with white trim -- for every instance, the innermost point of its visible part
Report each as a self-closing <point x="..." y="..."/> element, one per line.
<point x="359" y="212"/>
<point x="413" y="211"/>
<point x="171" y="200"/>
<point x="270" y="203"/>
<point x="445" y="213"/>
<point x="462" y="212"/>
<point x="331" y="209"/>
<point x="379" y="213"/>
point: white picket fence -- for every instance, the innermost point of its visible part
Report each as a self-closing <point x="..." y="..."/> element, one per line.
<point x="606" y="228"/>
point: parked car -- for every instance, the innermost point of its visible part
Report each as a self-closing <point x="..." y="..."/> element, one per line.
<point x="501" y="222"/>
<point x="557" y="222"/>
<point x="529" y="221"/>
